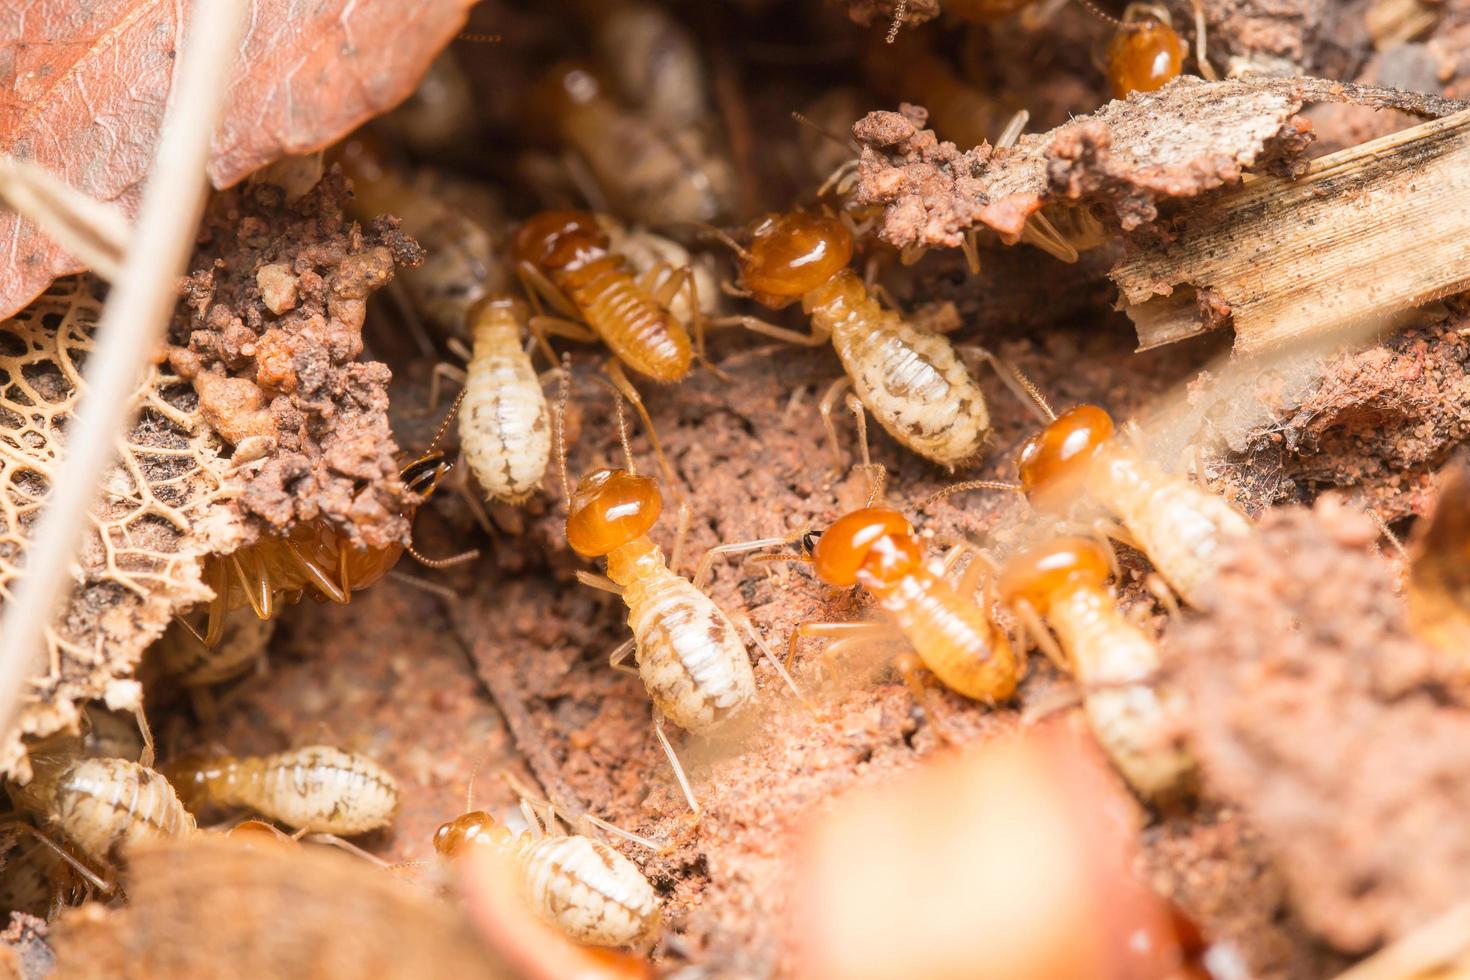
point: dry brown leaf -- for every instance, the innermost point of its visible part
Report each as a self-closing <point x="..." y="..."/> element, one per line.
<point x="83" y="89"/>
<point x="1439" y="572"/>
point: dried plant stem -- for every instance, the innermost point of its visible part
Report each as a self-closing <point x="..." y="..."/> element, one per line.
<point x="134" y="319"/>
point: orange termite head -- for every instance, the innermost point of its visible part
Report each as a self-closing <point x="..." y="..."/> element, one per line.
<point x="791" y="254"/>
<point x="1053" y="463"/>
<point x="566" y="87"/>
<point x="874" y="546"/>
<point x="554" y="240"/>
<point x="1040" y="575"/>
<point x="1145" y="54"/>
<point x="609" y="509"/>
<point x="469" y="830"/>
<point x="257" y="834"/>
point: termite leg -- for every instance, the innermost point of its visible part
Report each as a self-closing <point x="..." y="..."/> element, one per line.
<point x="95" y="880"/>
<point x="1040" y="232"/>
<point x="707" y="563"/>
<point x="148" y="756"/>
<point x="825" y="406"/>
<point x="840" y="180"/>
<point x="442" y="372"/>
<point x="1159" y="589"/>
<point x="332" y="840"/>
<point x="1201" y="57"/>
<point x="1031" y="620"/>
<point x="912" y="669"/>
<point x="599" y="582"/>
<point x="683" y="780"/>
<point x="537" y="288"/>
<point x="585" y="182"/>
<point x="757" y="325"/>
<point x="619" y="654"/>
<point x="681" y="534"/>
<point x="316" y="576"/>
<point x="1113" y="531"/>
<point x="1021" y="386"/>
<point x="614" y="370"/>
<point x="775" y="662"/>
<point x="533" y="820"/>
<point x="844" y="631"/>
<point x="587" y="820"/>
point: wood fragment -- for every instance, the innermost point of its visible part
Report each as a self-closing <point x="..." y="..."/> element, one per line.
<point x="1367" y="232"/>
<point x="1439" y="569"/>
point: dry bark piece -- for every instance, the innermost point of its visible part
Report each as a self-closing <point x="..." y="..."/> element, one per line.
<point x="270" y="341"/>
<point x="1366" y="232"/>
<point x="140" y="566"/>
<point x="1439" y="571"/>
<point x="210" y="907"/>
<point x="1187" y="138"/>
<point x="24" y="952"/>
<point x="1338" y="734"/>
<point x="83" y="95"/>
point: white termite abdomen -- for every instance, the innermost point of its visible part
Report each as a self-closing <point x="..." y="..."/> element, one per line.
<point x="692" y="661"/>
<point x="913" y="382"/>
<point x="504" y="426"/>
<point x="587" y="890"/>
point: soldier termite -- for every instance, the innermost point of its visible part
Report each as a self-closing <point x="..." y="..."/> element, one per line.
<point x="647" y="173"/>
<point x="952" y="636"/>
<point x="576" y="884"/>
<point x="1145" y="53"/>
<point x="1183" y="529"/>
<point x="318" y="789"/>
<point x="913" y="382"/>
<point x="1062" y="585"/>
<point x="313" y="559"/>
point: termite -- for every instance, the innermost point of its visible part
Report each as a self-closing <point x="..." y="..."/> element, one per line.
<point x="461" y="268"/>
<point x="314" y="559"/>
<point x="317" y="789"/>
<point x="577" y="885"/>
<point x="1079" y="457"/>
<point x="1061" y="588"/>
<point x="184" y="655"/>
<point x="912" y="381"/>
<point x="568" y="259"/>
<point x="952" y="636"/>
<point x="652" y="59"/>
<point x="648" y="173"/>
<point x="690" y="657"/>
<point x="38" y="880"/>
<point x="1145" y="53"/>
<point x="102" y="806"/>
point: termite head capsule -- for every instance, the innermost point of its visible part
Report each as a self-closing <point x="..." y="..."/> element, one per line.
<point x="875" y="546"/>
<point x="1041" y="575"/>
<point x="562" y="90"/>
<point x="1145" y="54"/>
<point x="1053" y="463"/>
<point x="791" y="254"/>
<point x="609" y="509"/>
<point x="422" y="475"/>
<point x="556" y="240"/>
<point x="469" y="830"/>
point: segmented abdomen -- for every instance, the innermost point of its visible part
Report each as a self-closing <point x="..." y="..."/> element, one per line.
<point x="318" y="788"/>
<point x="104" y="806"/>
<point x="588" y="891"/>
<point x="953" y="636"/>
<point x="690" y="658"/>
<point x="458" y="271"/>
<point x="912" y="382"/>
<point x="503" y="422"/>
<point x="641" y="333"/>
<point x="1117" y="665"/>
<point x="1183" y="529"/>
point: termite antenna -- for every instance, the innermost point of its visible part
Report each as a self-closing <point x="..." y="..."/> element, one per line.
<point x="899" y="11"/>
<point x="478" y="38"/>
<point x="444" y="425"/>
<point x="438" y="563"/>
<point x="1205" y="67"/>
<point x="1104" y="15"/>
<point x="720" y="235"/>
<point x="955" y="488"/>
<point x="623" y="429"/>
<point x="823" y="131"/>
<point x="564" y="394"/>
<point x="1387" y="532"/>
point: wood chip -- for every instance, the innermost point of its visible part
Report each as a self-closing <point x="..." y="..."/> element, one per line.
<point x="1367" y="232"/>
